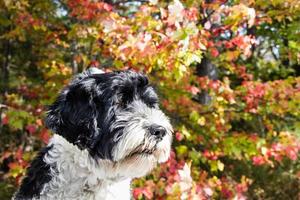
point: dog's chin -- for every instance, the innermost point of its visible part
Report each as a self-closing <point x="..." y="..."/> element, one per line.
<point x="139" y="164"/>
<point x="162" y="155"/>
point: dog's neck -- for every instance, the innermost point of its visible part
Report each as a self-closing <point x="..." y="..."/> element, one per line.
<point x="65" y="155"/>
<point x="74" y="170"/>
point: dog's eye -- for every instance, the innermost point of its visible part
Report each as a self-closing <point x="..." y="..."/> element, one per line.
<point x="150" y="97"/>
<point x="152" y="103"/>
<point x="123" y="101"/>
<point x="121" y="104"/>
<point x="154" y="106"/>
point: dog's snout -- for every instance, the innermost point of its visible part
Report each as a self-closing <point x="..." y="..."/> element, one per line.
<point x="157" y="131"/>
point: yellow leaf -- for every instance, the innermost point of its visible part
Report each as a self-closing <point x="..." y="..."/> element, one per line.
<point x="264" y="150"/>
<point x="201" y="121"/>
<point x="220" y="166"/>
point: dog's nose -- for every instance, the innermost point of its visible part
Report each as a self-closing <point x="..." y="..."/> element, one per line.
<point x="157" y="131"/>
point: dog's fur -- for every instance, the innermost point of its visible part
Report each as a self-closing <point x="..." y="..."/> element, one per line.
<point x="108" y="129"/>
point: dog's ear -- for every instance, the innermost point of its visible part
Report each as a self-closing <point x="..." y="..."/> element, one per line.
<point x="74" y="113"/>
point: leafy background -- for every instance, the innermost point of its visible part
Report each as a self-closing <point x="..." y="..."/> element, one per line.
<point x="227" y="73"/>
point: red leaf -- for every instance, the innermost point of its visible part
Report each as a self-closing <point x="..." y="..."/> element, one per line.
<point x="191" y="14"/>
<point x="291" y="152"/>
<point x="194" y="90"/>
<point x="107" y="7"/>
<point x="5" y="120"/>
<point x="226" y="193"/>
<point x="45" y="136"/>
<point x="94" y="63"/>
<point x="214" y="52"/>
<point x="148" y="193"/>
<point x="19" y="154"/>
<point x="13" y="165"/>
<point x="258" y="160"/>
<point x="178" y="136"/>
<point x="31" y="128"/>
<point x="137" y="192"/>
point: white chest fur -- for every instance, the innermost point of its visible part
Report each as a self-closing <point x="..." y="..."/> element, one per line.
<point x="77" y="176"/>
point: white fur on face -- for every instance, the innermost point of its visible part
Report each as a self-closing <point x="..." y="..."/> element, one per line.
<point x="136" y="137"/>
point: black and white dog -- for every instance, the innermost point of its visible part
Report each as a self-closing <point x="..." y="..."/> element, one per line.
<point x="108" y="129"/>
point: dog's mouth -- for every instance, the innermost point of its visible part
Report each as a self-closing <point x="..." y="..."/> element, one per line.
<point x="143" y="152"/>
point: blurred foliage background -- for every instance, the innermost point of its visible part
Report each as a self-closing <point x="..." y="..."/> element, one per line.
<point x="227" y="73"/>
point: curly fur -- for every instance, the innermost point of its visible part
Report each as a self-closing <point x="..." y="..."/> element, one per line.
<point x="108" y="130"/>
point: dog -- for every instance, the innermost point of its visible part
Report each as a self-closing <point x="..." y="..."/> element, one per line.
<point x="108" y="129"/>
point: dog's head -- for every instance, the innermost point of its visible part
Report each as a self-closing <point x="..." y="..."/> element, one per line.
<point x="115" y="116"/>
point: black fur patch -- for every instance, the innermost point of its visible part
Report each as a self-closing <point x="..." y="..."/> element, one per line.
<point x="38" y="174"/>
